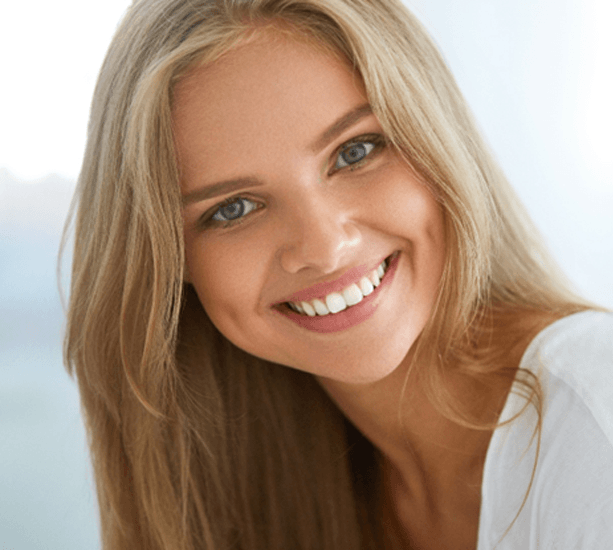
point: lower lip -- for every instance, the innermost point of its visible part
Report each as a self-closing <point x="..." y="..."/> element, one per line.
<point x="350" y="317"/>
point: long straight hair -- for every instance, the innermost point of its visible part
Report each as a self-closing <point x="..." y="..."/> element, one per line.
<point x="195" y="443"/>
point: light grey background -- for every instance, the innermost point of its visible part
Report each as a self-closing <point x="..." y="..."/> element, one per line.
<point x="537" y="74"/>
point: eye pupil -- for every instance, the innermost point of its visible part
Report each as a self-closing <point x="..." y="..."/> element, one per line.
<point x="233" y="210"/>
<point x="354" y="153"/>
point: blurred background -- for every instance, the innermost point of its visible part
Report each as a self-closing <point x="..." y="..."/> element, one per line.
<point x="538" y="76"/>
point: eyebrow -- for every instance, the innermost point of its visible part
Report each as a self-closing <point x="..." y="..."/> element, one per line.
<point x="340" y="125"/>
<point x="218" y="189"/>
<point x="329" y="134"/>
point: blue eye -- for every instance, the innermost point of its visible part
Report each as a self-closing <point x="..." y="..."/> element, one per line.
<point x="233" y="210"/>
<point x="353" y="153"/>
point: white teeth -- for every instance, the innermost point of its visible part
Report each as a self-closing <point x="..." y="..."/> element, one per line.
<point x="335" y="302"/>
<point x="338" y="301"/>
<point x="320" y="307"/>
<point x="353" y="295"/>
<point x="366" y="286"/>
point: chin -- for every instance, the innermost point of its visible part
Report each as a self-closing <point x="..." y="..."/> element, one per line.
<point x="363" y="372"/>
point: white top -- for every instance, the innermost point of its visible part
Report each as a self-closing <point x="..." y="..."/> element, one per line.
<point x="570" y="503"/>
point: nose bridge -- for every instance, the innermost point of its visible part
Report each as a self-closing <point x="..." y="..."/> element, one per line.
<point x="319" y="231"/>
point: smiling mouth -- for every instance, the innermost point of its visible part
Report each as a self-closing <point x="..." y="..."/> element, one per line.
<point x="336" y="302"/>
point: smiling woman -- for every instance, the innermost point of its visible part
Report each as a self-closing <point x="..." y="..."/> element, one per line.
<point x="326" y="177"/>
<point x="307" y="310"/>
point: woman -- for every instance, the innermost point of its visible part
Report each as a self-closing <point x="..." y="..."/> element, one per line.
<point x="307" y="310"/>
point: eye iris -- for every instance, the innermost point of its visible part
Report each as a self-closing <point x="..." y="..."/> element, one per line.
<point x="233" y="210"/>
<point x="354" y="153"/>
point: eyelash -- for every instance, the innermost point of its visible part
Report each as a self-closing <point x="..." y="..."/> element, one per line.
<point x="208" y="218"/>
<point x="376" y="142"/>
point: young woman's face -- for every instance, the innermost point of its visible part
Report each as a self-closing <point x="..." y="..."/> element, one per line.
<point x="292" y="195"/>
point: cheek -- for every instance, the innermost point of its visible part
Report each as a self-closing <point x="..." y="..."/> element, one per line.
<point x="407" y="208"/>
<point x="225" y="279"/>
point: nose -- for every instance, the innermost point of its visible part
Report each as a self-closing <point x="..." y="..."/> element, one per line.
<point x="319" y="234"/>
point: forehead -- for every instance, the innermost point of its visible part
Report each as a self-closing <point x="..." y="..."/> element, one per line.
<point x="271" y="90"/>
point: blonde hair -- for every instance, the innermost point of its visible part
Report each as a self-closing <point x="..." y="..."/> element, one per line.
<point x="195" y="443"/>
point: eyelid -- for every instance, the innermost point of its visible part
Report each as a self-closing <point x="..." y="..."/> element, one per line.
<point x="205" y="220"/>
<point x="378" y="140"/>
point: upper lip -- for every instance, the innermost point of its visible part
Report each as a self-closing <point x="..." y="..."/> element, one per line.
<point x="319" y="290"/>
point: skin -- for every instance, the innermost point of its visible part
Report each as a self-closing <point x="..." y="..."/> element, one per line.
<point x="255" y="113"/>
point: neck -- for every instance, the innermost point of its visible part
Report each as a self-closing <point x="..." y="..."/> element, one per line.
<point x="427" y="450"/>
<point x="437" y="462"/>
